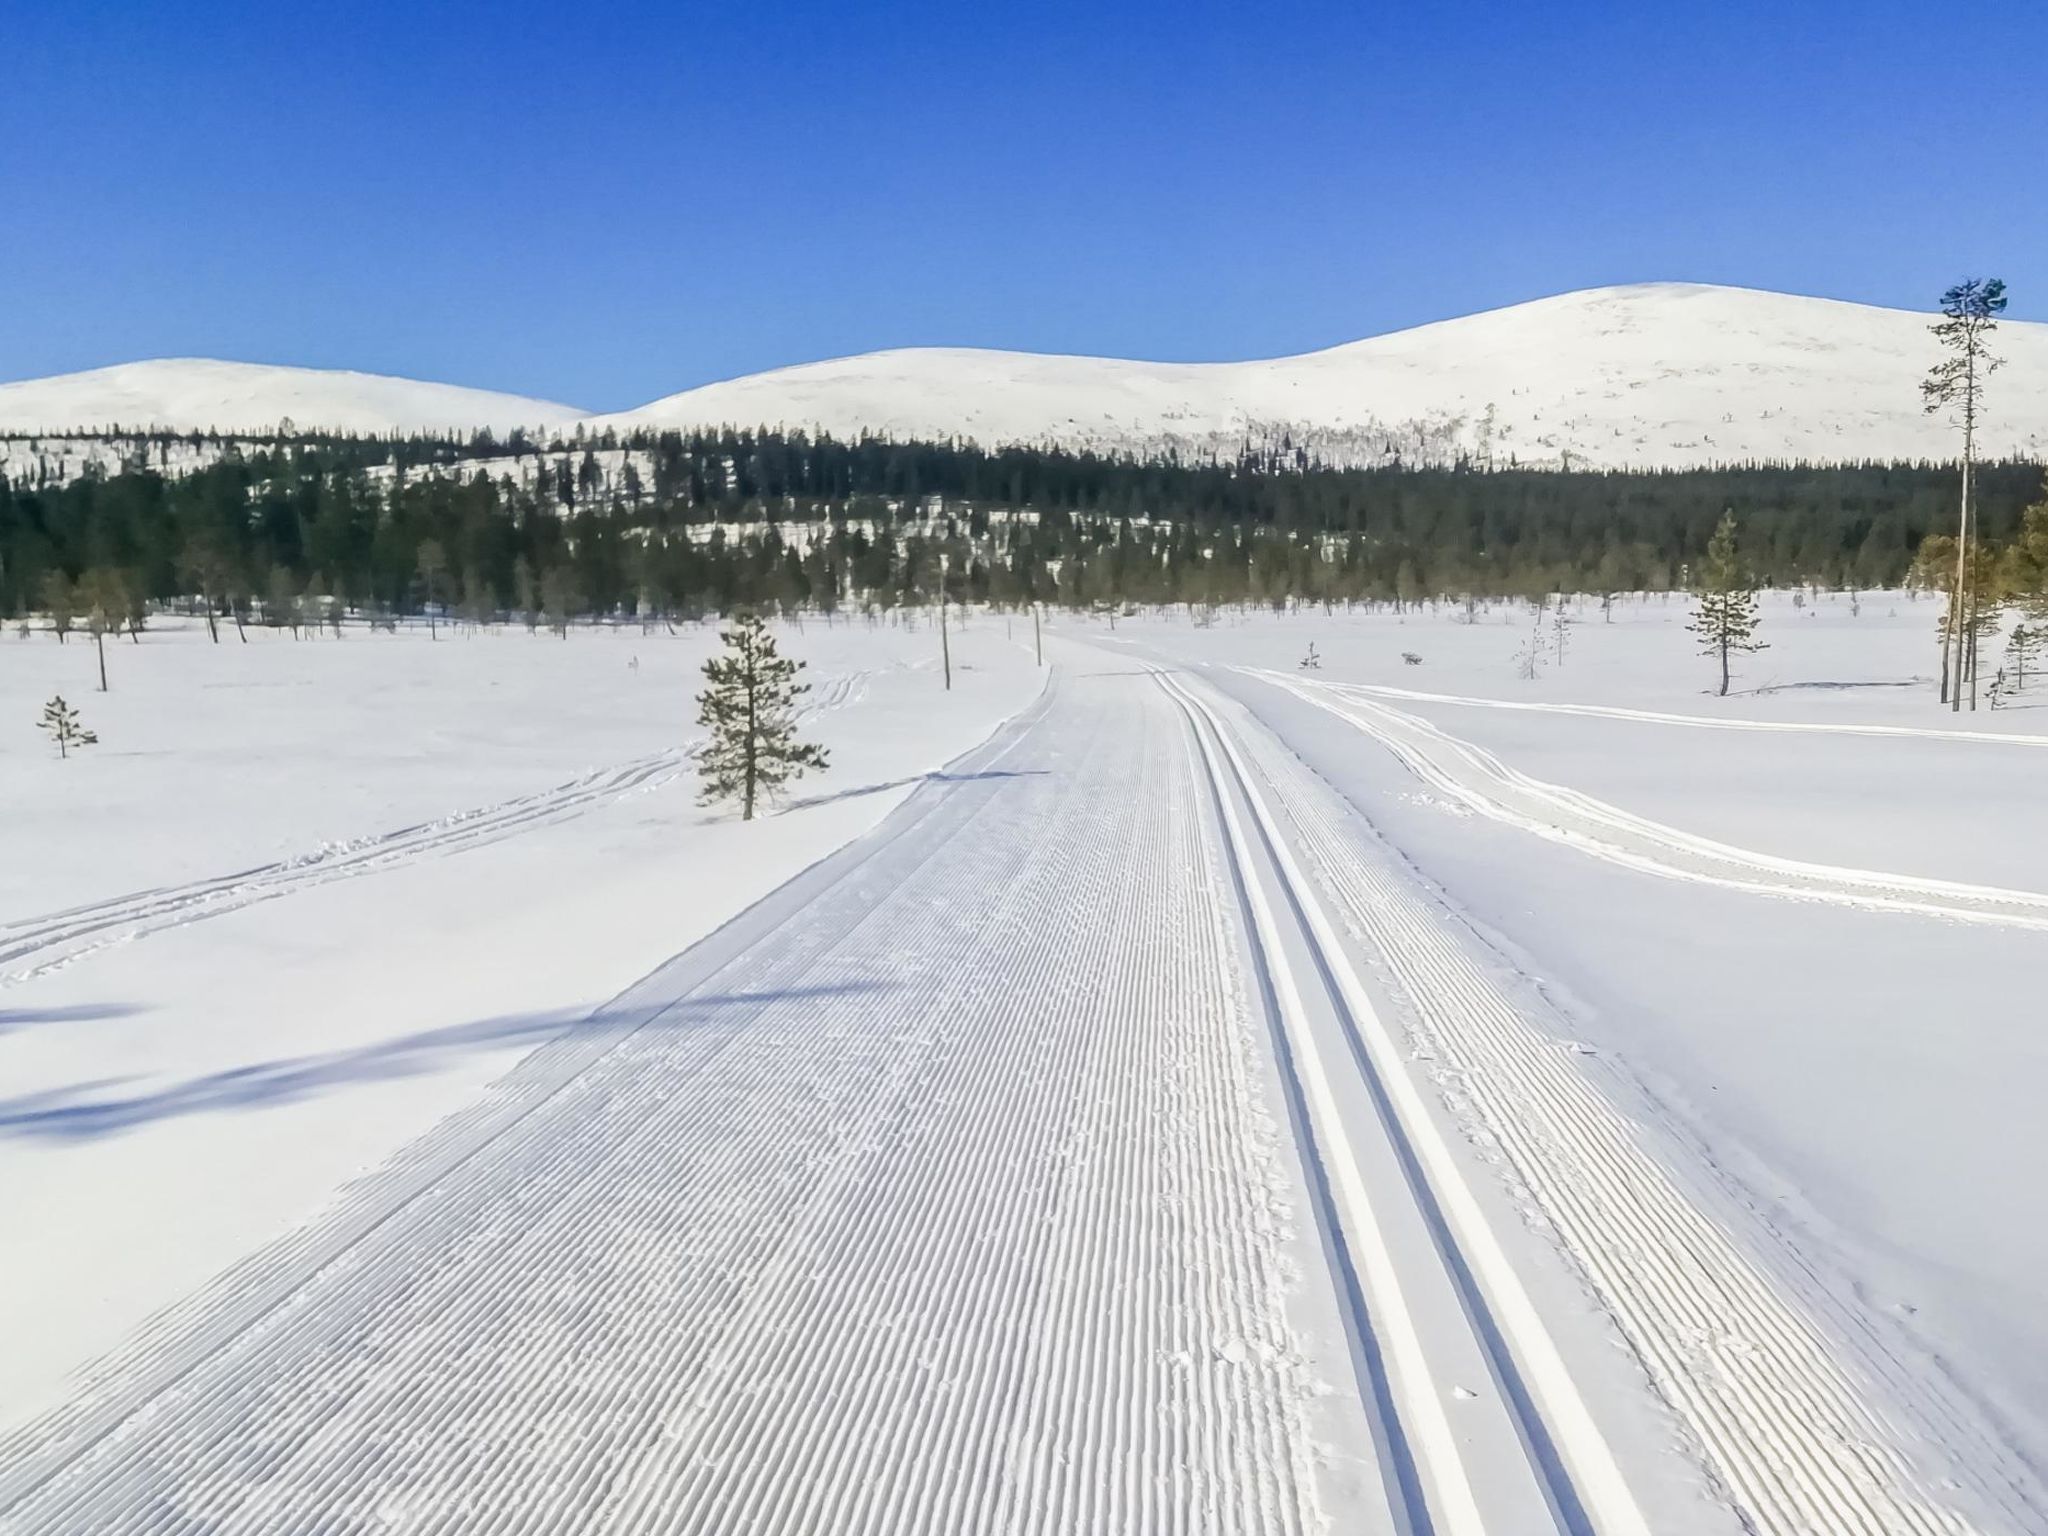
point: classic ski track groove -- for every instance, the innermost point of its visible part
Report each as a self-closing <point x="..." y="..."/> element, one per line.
<point x="32" y="947"/>
<point x="1576" y="1476"/>
<point x="1806" y="1415"/>
<point x="817" y="1229"/>
<point x="1478" y="780"/>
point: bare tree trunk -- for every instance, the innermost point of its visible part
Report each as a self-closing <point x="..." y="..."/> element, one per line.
<point x="1956" y="620"/>
<point x="99" y="639"/>
<point x="753" y="742"/>
<point x="1037" y="640"/>
<point x="945" y="647"/>
<point x="1724" y="664"/>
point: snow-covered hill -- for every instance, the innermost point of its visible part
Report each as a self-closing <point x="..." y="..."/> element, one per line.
<point x="188" y="394"/>
<point x="1652" y="375"/>
<point x="1657" y="374"/>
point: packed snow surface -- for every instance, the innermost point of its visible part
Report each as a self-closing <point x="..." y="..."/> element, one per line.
<point x="1176" y="1090"/>
<point x="1652" y="375"/>
<point x="193" y="394"/>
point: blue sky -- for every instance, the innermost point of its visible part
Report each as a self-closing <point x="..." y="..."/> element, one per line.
<point x="607" y="204"/>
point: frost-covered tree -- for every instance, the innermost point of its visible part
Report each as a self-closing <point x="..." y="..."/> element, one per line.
<point x="282" y="605"/>
<point x="432" y="560"/>
<point x="61" y="721"/>
<point x="1725" y="616"/>
<point x="104" y="597"/>
<point x="205" y="564"/>
<point x="750" y="711"/>
<point x="60" y="601"/>
<point x="1969" y="314"/>
<point x="560" y="597"/>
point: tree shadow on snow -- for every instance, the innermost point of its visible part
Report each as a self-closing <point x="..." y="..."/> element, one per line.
<point x="89" y="1110"/>
<point x="75" y="1013"/>
<point x="917" y="778"/>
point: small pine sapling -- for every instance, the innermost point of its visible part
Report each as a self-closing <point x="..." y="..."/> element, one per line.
<point x="62" y="723"/>
<point x="750" y="711"/>
<point x="1725" y="616"/>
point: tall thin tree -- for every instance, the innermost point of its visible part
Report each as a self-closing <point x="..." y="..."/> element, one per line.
<point x="1969" y="313"/>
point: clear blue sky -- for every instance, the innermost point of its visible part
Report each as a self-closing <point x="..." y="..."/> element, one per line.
<point x="606" y="203"/>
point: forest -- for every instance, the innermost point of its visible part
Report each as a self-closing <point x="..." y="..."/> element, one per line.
<point x="688" y="524"/>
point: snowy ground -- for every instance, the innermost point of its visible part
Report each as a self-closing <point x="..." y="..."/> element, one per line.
<point x="1788" y="951"/>
<point x="306" y="898"/>
<point x="1231" y="1098"/>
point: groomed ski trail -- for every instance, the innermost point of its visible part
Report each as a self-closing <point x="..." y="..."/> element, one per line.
<point x="1811" y="1421"/>
<point x="1665" y="717"/>
<point x="1492" y="1432"/>
<point x="939" y="1193"/>
<point x="36" y="946"/>
<point x="1476" y="779"/>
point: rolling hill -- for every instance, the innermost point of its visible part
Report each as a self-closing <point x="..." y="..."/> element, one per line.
<point x="1652" y="375"/>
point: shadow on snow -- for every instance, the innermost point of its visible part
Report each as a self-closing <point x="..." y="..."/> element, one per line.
<point x="95" y="1108"/>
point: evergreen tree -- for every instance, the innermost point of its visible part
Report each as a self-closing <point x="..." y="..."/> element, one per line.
<point x="750" y="711"/>
<point x="1969" y="316"/>
<point x="1725" y="617"/>
<point x="61" y="721"/>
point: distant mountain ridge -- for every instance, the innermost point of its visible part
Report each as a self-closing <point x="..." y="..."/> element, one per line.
<point x="196" y="394"/>
<point x="1657" y="375"/>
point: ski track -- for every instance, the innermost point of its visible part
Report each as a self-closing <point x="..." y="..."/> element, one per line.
<point x="1447" y="1311"/>
<point x="36" y="946"/>
<point x="827" y="1226"/>
<point x="1661" y="717"/>
<point x="833" y="1225"/>
<point x="1478" y="780"/>
<point x="1806" y="1416"/>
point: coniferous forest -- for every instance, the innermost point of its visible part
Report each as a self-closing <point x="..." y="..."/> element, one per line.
<point x="694" y="524"/>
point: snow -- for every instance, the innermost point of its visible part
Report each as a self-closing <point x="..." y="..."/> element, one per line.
<point x="335" y="887"/>
<point x="190" y="394"/>
<point x="1845" y="1083"/>
<point x="1651" y="375"/>
<point x="1227" y="1097"/>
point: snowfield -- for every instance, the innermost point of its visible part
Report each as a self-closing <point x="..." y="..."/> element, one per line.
<point x="1174" y="1091"/>
<point x="1644" y="376"/>
<point x="197" y="394"/>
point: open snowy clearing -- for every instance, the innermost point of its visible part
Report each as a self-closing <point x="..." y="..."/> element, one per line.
<point x="1232" y="1097"/>
<point x="306" y="898"/>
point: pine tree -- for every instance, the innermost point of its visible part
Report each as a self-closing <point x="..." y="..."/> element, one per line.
<point x="1725" y="618"/>
<point x="1970" y="313"/>
<point x="749" y="709"/>
<point x="61" y="721"/>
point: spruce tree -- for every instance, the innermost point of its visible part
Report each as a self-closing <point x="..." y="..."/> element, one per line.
<point x="750" y="711"/>
<point x="61" y="721"/>
<point x="1725" y="618"/>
